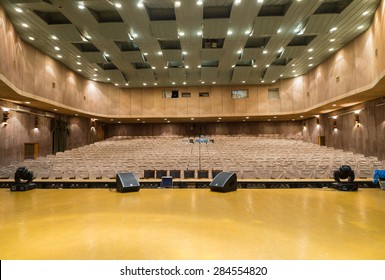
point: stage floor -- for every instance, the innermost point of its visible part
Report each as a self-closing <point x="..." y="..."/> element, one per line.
<point x="186" y="224"/>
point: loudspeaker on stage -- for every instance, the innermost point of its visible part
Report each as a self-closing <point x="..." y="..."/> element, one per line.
<point x="224" y="182"/>
<point x="127" y="182"/>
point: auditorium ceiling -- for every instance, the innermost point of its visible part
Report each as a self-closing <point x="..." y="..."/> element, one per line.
<point x="163" y="43"/>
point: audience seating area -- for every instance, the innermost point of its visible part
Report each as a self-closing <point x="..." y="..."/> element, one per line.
<point x="190" y="158"/>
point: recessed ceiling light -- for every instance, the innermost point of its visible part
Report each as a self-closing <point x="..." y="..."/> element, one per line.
<point x="59" y="56"/>
<point x="255" y="65"/>
<point x="79" y="70"/>
<point x="281" y="75"/>
<point x="25" y="25"/>
<point x="116" y="84"/>
<point x="95" y="69"/>
<point x="267" y="65"/>
<point x="202" y="82"/>
<point x="237" y="2"/>
<point x="118" y="5"/>
<point x="184" y="83"/>
<point x="260" y="1"/>
<point x="181" y="33"/>
<point x="145" y="84"/>
<point x="31" y="38"/>
<point x="360" y="27"/>
<point x="173" y="83"/>
<point x="54" y="37"/>
<point x="199" y="2"/>
<point x="18" y="10"/>
<point x="310" y="50"/>
<point x="365" y="13"/>
<point x="153" y="67"/>
<point x="229" y="32"/>
<point x="165" y="67"/>
<point x="81" y="6"/>
<point x="78" y="56"/>
<point x="160" y="53"/>
<point x="332" y="40"/>
<point x="243" y="82"/>
<point x="187" y="67"/>
<point x="310" y="58"/>
<point x="78" y="63"/>
<point x="57" y="48"/>
<point x="331" y="49"/>
<point x="279" y="30"/>
<point x="145" y="54"/>
<point x="214" y="83"/>
<point x="108" y="79"/>
<point x="199" y="33"/>
<point x="184" y="53"/>
<point x="310" y="65"/>
<point x="177" y="4"/>
<point x="140" y="4"/>
<point x="265" y="52"/>
<point x="333" y="29"/>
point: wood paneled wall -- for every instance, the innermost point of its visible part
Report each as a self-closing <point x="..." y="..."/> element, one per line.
<point x="21" y="129"/>
<point x="292" y="129"/>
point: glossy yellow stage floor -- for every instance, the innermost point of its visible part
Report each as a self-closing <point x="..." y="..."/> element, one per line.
<point x="192" y="224"/>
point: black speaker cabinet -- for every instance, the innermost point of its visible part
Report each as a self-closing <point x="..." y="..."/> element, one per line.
<point x="224" y="182"/>
<point x="346" y="187"/>
<point x="127" y="182"/>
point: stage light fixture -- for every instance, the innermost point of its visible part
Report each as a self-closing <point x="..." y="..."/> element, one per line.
<point x="22" y="173"/>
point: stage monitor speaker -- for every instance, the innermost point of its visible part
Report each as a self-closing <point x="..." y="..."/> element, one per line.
<point x="346" y="187"/>
<point x="224" y="182"/>
<point x="127" y="182"/>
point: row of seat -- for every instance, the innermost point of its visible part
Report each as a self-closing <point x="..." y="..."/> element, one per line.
<point x="250" y="157"/>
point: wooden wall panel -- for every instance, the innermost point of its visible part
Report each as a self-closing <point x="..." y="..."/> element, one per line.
<point x="137" y="103"/>
<point x="29" y="69"/>
<point x="113" y="101"/>
<point x="204" y="106"/>
<point x="18" y="63"/>
<point x="263" y="100"/>
<point x="193" y="102"/>
<point x="363" y="70"/>
<point x="228" y="102"/>
<point x="299" y="88"/>
<point x="216" y="103"/>
<point x="125" y="103"/>
<point x="40" y="74"/>
<point x="159" y="102"/>
<point x="182" y="105"/>
<point x="148" y="101"/>
<point x="170" y="109"/>
<point x="252" y="102"/>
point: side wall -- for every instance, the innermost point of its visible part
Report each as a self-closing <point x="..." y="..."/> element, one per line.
<point x="368" y="138"/>
<point x="20" y="129"/>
